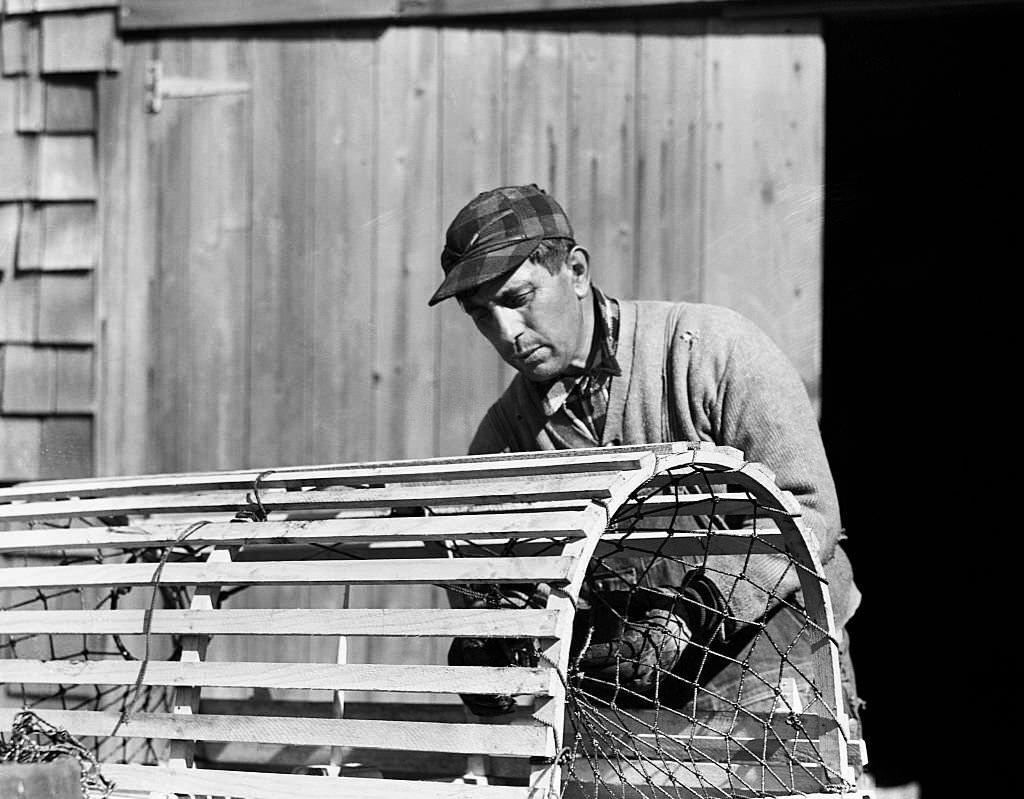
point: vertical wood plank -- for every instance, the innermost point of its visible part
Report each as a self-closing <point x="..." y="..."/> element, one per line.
<point x="67" y="309"/>
<point x="537" y="108"/>
<point x="31" y="111"/>
<point x="602" y="171"/>
<point x="127" y="210"/>
<point x="20" y="444"/>
<point x="669" y="197"/>
<point x="342" y="302"/>
<point x="282" y="257"/>
<point x="471" y="374"/>
<point x="408" y="242"/>
<point x="171" y="146"/>
<point x="214" y="311"/>
<point x="765" y="96"/>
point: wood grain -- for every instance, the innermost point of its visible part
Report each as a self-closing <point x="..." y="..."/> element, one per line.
<point x="551" y="569"/>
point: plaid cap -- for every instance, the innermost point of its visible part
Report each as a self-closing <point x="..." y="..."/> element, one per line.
<point x="495" y="233"/>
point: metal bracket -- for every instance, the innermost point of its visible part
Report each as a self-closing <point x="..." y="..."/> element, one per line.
<point x="160" y="87"/>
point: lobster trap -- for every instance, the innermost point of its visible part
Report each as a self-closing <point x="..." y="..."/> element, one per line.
<point x="631" y="621"/>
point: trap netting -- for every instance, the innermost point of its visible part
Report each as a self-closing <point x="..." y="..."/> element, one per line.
<point x="698" y="667"/>
<point x="72" y="647"/>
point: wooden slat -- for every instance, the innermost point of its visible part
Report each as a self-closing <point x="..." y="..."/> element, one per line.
<point x="156" y="14"/>
<point x="351" y="475"/>
<point x="348" y="531"/>
<point x="31" y="104"/>
<point x="48" y="6"/>
<point x="20" y="46"/>
<point x="399" y="572"/>
<point x="729" y="749"/>
<point x="325" y="676"/>
<point x="406" y="622"/>
<point x="253" y="785"/>
<point x="381" y="530"/>
<point x="19" y="157"/>
<point x="74" y="383"/>
<point x="723" y="542"/>
<point x="587" y="487"/>
<point x="725" y="504"/>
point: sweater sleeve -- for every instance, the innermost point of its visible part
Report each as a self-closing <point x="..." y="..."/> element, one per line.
<point x="748" y="395"/>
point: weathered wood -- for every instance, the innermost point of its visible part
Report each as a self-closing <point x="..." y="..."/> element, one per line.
<point x="80" y="42"/>
<point x="602" y="147"/>
<point x="19" y="308"/>
<point x="525" y="490"/>
<point x="29" y="379"/>
<point x="20" y="45"/>
<point x="550" y="569"/>
<point x="471" y="375"/>
<point x="19" y="159"/>
<point x="66" y="447"/>
<point x="74" y="381"/>
<point x="157" y="14"/>
<point x="70" y="104"/>
<point x="765" y="95"/>
<point x="406" y="410"/>
<point x="326" y="476"/>
<point x="31" y="104"/>
<point x="57" y="236"/>
<point x="292" y="786"/>
<point x="669" y="159"/>
<point x="405" y="622"/>
<point x="67" y="309"/>
<point x="67" y="168"/>
<point x="124" y="299"/>
<point x="325" y="531"/>
<point x="20" y="439"/>
<point x="49" y="6"/>
<point x="326" y="676"/>
<point x="341" y="297"/>
<point x="9" y="224"/>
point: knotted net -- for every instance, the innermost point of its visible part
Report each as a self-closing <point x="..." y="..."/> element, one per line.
<point x="695" y="668"/>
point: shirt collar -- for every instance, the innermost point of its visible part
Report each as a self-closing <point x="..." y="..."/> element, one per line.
<point x="601" y="363"/>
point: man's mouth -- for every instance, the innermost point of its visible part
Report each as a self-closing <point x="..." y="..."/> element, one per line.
<point x="530" y="356"/>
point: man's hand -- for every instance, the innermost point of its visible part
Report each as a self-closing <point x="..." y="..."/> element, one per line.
<point x="639" y="652"/>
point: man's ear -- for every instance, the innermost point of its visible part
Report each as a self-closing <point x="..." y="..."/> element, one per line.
<point x="579" y="266"/>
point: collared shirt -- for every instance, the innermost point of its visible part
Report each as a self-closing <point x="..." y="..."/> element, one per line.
<point x="583" y="398"/>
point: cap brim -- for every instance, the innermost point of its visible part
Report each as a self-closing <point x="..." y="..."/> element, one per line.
<point x="476" y="271"/>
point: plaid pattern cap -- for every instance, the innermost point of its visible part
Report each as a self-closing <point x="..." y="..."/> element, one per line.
<point x="495" y="233"/>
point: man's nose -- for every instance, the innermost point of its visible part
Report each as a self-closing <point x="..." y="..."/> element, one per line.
<point x="506" y="327"/>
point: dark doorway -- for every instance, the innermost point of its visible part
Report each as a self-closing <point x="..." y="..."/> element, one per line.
<point x="921" y="133"/>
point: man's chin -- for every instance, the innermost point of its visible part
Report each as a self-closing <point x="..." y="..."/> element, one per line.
<point x="539" y="373"/>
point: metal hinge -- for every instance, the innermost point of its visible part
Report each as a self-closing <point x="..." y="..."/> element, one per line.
<point x="160" y="87"/>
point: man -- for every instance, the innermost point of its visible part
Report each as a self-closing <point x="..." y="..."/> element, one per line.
<point x="596" y="371"/>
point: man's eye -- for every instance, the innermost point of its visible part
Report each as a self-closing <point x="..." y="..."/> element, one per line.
<point x="519" y="300"/>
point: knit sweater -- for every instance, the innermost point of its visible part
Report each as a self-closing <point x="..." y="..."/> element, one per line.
<point x="695" y="372"/>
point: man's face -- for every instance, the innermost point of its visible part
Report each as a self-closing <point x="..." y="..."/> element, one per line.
<point x="536" y="320"/>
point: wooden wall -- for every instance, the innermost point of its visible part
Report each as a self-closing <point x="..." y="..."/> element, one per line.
<point x="269" y="250"/>
<point x="49" y="232"/>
